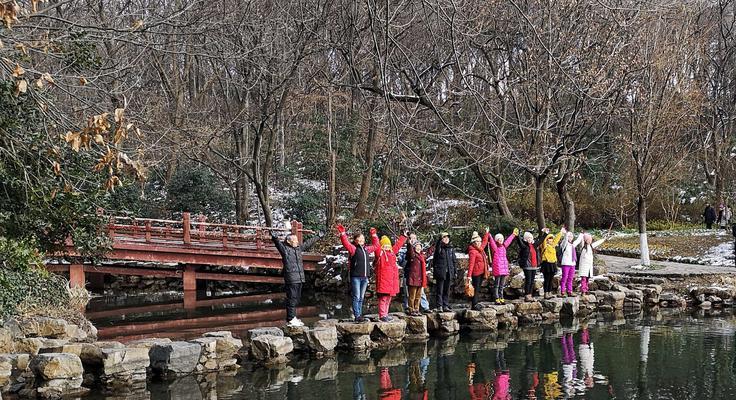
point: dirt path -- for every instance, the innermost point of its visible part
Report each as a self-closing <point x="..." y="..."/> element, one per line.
<point x="622" y="265"/>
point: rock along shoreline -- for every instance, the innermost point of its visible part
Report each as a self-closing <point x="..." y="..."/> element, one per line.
<point x="52" y="358"/>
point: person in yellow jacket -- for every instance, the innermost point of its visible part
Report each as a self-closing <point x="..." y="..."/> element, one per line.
<point x="548" y="252"/>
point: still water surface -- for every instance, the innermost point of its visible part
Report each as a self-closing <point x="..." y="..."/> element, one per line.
<point x="685" y="356"/>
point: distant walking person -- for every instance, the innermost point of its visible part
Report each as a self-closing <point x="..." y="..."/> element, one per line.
<point x="724" y="217"/>
<point x="709" y="215"/>
<point x="293" y="270"/>
<point x="444" y="266"/>
<point x="359" y="265"/>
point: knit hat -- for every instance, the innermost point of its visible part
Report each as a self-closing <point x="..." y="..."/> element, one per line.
<point x="385" y="241"/>
<point x="475" y="237"/>
<point x="528" y="236"/>
<point x="498" y="237"/>
<point x="443" y="234"/>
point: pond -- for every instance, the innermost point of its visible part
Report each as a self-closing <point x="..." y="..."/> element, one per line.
<point x="683" y="356"/>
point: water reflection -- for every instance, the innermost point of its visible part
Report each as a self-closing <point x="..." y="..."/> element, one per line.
<point x="686" y="357"/>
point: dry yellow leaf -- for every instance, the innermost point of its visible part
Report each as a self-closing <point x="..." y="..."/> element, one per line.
<point x="22" y="48"/>
<point x="82" y="80"/>
<point x="21" y="86"/>
<point x="99" y="139"/>
<point x="119" y="114"/>
<point x="39" y="83"/>
<point x="18" y="71"/>
<point x="47" y="77"/>
<point x="137" y="24"/>
<point x="57" y="167"/>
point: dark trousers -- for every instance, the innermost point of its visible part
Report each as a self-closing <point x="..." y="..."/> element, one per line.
<point x="548" y="270"/>
<point x="709" y="225"/>
<point x="476" y="280"/>
<point x="443" y="291"/>
<point x="499" y="282"/>
<point x="529" y="275"/>
<point x="293" y="296"/>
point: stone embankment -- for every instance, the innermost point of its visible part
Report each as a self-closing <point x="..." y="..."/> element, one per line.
<point x="51" y="358"/>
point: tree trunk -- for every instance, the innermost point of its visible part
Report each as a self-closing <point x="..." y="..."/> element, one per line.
<point x="539" y="200"/>
<point x="242" y="186"/>
<point x="641" y="206"/>
<point x="503" y="207"/>
<point x="331" y="148"/>
<point x="384" y="181"/>
<point x="365" y="182"/>
<point x="568" y="205"/>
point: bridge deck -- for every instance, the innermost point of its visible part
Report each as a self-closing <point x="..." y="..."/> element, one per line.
<point x="243" y="249"/>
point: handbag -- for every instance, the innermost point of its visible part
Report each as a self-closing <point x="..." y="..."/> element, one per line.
<point x="469" y="289"/>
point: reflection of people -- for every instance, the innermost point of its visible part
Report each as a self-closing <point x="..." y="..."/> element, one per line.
<point x="445" y="388"/>
<point x="359" y="389"/>
<point x="501" y="384"/>
<point x="532" y="376"/>
<point x="548" y="365"/>
<point x="568" y="364"/>
<point x="417" y="380"/>
<point x="478" y="388"/>
<point x="587" y="358"/>
<point x="386" y="389"/>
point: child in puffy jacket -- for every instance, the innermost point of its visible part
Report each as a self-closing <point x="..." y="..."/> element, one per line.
<point x="500" y="264"/>
<point x="387" y="272"/>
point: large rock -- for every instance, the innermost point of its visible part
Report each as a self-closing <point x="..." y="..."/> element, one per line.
<point x="553" y="305"/>
<point x="416" y="327"/>
<point x="254" y="333"/>
<point x="219" y="350"/>
<point x="479" y="320"/>
<point x="36" y="345"/>
<point x="6" y="341"/>
<point x="270" y="348"/>
<point x="321" y="340"/>
<point x="122" y="366"/>
<point x="389" y="333"/>
<point x="51" y="328"/>
<point x="614" y="300"/>
<point x="356" y="336"/>
<point x="529" y="312"/>
<point x="226" y="345"/>
<point x="175" y="358"/>
<point x="443" y="324"/>
<point x="57" y="366"/>
<point x="671" y="300"/>
<point x="298" y="335"/>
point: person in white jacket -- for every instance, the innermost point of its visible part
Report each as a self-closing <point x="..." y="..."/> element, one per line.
<point x="586" y="260"/>
<point x="569" y="259"/>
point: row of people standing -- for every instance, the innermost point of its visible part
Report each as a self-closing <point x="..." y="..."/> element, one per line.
<point x="722" y="218"/>
<point x="486" y="258"/>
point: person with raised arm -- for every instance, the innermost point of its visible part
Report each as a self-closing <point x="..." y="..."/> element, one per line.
<point x="293" y="270"/>
<point x="569" y="260"/>
<point x="359" y="267"/>
<point x="478" y="263"/>
<point x="548" y="251"/>
<point x="387" y="272"/>
<point x="501" y="264"/>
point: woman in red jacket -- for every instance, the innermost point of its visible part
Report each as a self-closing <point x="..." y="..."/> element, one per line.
<point x="387" y="272"/>
<point x="478" y="263"/>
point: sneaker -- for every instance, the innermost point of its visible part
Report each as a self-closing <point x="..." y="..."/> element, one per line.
<point x="477" y="307"/>
<point x="426" y="311"/>
<point x="503" y="301"/>
<point x="360" y="319"/>
<point x="446" y="309"/>
<point x="386" y="319"/>
<point x="295" y="322"/>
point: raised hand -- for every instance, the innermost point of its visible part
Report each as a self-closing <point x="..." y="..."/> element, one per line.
<point x="516" y="231"/>
<point x="340" y="228"/>
<point x="488" y="230"/>
<point x="373" y="231"/>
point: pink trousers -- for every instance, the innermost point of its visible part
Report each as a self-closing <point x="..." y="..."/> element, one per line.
<point x="584" y="284"/>
<point x="384" y="302"/>
<point x="568" y="274"/>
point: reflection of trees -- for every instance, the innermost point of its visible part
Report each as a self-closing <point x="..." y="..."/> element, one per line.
<point x="643" y="358"/>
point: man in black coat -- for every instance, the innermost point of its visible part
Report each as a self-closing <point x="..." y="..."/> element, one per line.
<point x="293" y="270"/>
<point x="709" y="215"/>
<point x="444" y="267"/>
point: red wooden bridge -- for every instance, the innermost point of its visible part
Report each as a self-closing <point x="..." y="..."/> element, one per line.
<point x="246" y="252"/>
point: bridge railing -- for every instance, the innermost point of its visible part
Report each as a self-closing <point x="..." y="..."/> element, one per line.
<point x="189" y="232"/>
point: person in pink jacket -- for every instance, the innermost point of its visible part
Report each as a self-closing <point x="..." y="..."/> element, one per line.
<point x="500" y="264"/>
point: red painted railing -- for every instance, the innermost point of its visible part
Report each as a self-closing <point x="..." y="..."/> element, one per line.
<point x="199" y="233"/>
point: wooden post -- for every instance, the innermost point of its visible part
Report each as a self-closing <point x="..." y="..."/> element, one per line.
<point x="224" y="236"/>
<point x="259" y="232"/>
<point x="148" y="231"/>
<point x="186" y="225"/>
<point x="76" y="275"/>
<point x="190" y="278"/>
<point x="190" y="299"/>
